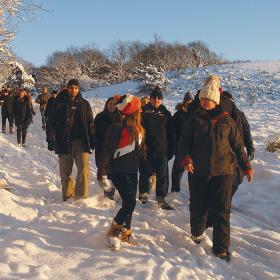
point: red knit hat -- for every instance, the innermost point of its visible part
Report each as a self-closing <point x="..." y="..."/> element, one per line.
<point x="128" y="104"/>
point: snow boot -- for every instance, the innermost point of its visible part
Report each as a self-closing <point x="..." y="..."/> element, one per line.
<point x="114" y="236"/>
<point x="11" y="129"/>
<point x="126" y="236"/>
<point x="143" y="197"/>
<point x="163" y="204"/>
<point x="3" y="129"/>
<point x="110" y="194"/>
<point x="223" y="256"/>
<point x="197" y="239"/>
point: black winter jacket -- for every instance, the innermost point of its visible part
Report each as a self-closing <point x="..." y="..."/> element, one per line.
<point x="63" y="120"/>
<point x="101" y="123"/>
<point x="178" y="119"/>
<point x="22" y="111"/>
<point x="158" y="130"/>
<point x="211" y="142"/>
<point x="118" y="155"/>
<point x="245" y="132"/>
<point x="7" y="107"/>
<point x="50" y="106"/>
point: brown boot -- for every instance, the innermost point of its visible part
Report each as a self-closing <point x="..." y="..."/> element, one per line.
<point x="126" y="235"/>
<point x="114" y="230"/>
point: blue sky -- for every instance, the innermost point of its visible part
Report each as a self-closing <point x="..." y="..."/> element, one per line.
<point x="239" y="29"/>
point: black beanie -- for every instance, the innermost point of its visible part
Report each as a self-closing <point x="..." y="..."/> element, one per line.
<point x="73" y="82"/>
<point x="156" y="93"/>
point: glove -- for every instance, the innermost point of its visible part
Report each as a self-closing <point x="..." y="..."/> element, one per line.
<point x="51" y="146"/>
<point x="250" y="154"/>
<point x="104" y="183"/>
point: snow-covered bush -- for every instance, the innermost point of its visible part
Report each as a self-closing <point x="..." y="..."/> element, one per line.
<point x="150" y="76"/>
<point x="19" y="78"/>
<point x="273" y="146"/>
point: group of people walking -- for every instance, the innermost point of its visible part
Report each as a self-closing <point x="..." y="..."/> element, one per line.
<point x="17" y="109"/>
<point x="208" y="136"/>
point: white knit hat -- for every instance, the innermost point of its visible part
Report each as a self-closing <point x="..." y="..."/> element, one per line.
<point x="210" y="89"/>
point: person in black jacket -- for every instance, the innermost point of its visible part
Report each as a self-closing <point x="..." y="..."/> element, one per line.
<point x="101" y="123"/>
<point x="157" y="122"/>
<point x="120" y="158"/>
<point x="50" y="104"/>
<point x="23" y="115"/>
<point x="178" y="119"/>
<point x="209" y="143"/>
<point x="70" y="132"/>
<point x="7" y="109"/>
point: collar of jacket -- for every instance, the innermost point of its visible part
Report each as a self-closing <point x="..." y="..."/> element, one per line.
<point x="65" y="95"/>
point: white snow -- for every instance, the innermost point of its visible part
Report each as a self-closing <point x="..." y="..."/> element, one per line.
<point x="42" y="237"/>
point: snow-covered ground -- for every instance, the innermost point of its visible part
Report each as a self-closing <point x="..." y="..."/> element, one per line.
<point x="42" y="237"/>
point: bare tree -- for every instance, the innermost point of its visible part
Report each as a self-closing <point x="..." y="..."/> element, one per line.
<point x="11" y="13"/>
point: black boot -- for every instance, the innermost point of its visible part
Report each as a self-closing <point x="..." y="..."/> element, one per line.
<point x="163" y="204"/>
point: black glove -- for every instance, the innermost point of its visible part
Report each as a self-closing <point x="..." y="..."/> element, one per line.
<point x="50" y="146"/>
<point x="250" y="154"/>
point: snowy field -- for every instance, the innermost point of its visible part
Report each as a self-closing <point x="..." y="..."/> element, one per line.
<point x="42" y="237"/>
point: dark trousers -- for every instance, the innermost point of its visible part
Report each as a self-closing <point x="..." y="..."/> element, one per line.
<point x="177" y="173"/>
<point x="159" y="166"/>
<point x="43" y="118"/>
<point x="212" y="193"/>
<point x="4" y="119"/>
<point x="21" y="133"/>
<point x="126" y="184"/>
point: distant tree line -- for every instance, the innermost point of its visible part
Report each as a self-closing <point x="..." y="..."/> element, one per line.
<point x="119" y="63"/>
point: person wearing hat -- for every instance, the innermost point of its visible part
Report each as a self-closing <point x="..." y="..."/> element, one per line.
<point x="157" y="122"/>
<point x="208" y="145"/>
<point x="70" y="133"/>
<point x="122" y="152"/>
<point x="42" y="100"/>
<point x="178" y="119"/>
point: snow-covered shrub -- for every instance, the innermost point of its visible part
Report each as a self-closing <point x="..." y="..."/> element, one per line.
<point x="19" y="78"/>
<point x="150" y="76"/>
<point x="273" y="146"/>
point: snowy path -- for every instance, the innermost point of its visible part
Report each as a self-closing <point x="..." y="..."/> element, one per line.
<point x="42" y="237"/>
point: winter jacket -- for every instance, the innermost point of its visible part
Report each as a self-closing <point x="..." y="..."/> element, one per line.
<point x="118" y="154"/>
<point x="70" y="120"/>
<point x="7" y="107"/>
<point x="178" y="119"/>
<point x="245" y="132"/>
<point x="22" y="111"/>
<point x="42" y="99"/>
<point x="210" y="141"/>
<point x="158" y="130"/>
<point x="101" y="123"/>
<point x="50" y="106"/>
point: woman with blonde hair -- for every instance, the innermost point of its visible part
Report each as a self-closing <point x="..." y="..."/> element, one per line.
<point x="120" y="158"/>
